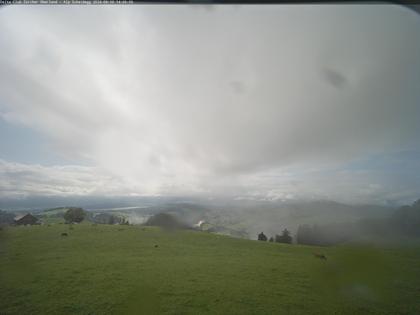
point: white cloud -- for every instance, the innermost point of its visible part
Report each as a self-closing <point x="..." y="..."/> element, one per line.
<point x="170" y="99"/>
<point x="21" y="180"/>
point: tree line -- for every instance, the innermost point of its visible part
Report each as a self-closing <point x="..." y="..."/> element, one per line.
<point x="284" y="237"/>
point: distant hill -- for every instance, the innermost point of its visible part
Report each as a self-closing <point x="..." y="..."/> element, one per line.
<point x="59" y="212"/>
<point x="247" y="218"/>
<point x="273" y="217"/>
<point x="6" y="217"/>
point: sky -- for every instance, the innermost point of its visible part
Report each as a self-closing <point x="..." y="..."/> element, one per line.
<point x="272" y="102"/>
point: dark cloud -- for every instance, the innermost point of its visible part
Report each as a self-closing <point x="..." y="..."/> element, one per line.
<point x="335" y="78"/>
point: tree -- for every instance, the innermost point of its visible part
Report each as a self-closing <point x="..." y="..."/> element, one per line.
<point x="271" y="239"/>
<point x="284" y="237"/>
<point x="262" y="237"/>
<point x="74" y="215"/>
<point x="124" y="221"/>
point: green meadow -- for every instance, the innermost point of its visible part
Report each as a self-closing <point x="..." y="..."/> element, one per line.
<point x="111" y="269"/>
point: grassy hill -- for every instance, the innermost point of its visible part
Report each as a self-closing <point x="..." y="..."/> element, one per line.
<point x="53" y="215"/>
<point x="111" y="269"/>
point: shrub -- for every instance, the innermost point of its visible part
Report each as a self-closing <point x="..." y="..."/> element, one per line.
<point x="284" y="237"/>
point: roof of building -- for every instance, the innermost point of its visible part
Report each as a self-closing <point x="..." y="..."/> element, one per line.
<point x="19" y="217"/>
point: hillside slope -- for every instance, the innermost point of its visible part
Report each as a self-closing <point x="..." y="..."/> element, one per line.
<point x="142" y="270"/>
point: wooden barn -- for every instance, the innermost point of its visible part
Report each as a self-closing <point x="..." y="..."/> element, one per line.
<point x="27" y="219"/>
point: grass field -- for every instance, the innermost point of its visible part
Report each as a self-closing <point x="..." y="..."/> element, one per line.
<point x="108" y="269"/>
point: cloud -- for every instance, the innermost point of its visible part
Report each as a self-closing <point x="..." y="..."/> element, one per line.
<point x="358" y="182"/>
<point x="385" y="179"/>
<point x="21" y="180"/>
<point x="174" y="99"/>
<point x="335" y="78"/>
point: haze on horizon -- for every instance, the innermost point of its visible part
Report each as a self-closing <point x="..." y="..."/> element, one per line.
<point x="273" y="102"/>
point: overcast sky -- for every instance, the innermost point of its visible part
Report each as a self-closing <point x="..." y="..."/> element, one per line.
<point x="266" y="102"/>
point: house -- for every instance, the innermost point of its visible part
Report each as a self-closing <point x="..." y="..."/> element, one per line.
<point x="27" y="219"/>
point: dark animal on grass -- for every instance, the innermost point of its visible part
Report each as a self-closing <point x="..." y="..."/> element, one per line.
<point x="320" y="256"/>
<point x="64" y="234"/>
<point x="156" y="246"/>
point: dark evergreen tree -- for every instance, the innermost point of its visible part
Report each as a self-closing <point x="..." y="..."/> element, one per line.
<point x="262" y="237"/>
<point x="285" y="237"/>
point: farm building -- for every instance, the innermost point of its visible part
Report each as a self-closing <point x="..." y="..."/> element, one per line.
<point x="27" y="219"/>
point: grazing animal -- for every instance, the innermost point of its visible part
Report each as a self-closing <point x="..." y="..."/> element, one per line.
<point x="156" y="246"/>
<point x="320" y="256"/>
<point x="64" y="234"/>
